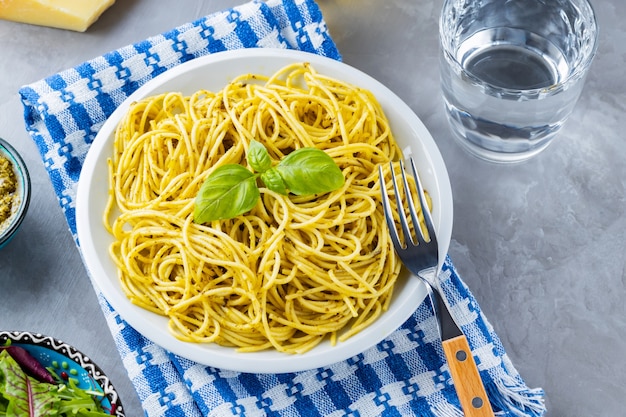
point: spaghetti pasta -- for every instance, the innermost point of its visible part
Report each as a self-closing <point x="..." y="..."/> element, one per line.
<point x="293" y="270"/>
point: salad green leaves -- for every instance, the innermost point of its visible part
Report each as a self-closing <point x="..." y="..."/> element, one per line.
<point x="24" y="396"/>
<point x="232" y="189"/>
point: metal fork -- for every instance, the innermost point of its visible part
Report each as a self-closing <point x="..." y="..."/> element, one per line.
<point x="420" y="254"/>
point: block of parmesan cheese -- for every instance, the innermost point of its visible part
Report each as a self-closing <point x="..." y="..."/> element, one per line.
<point x="75" y="15"/>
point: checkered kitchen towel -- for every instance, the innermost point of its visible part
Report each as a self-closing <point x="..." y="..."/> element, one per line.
<point x="406" y="374"/>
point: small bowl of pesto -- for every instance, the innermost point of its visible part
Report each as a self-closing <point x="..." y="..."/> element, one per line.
<point x="14" y="191"/>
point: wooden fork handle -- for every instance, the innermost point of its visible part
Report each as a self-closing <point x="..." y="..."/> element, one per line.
<point x="469" y="387"/>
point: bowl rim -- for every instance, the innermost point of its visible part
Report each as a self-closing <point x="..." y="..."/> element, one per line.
<point x="21" y="170"/>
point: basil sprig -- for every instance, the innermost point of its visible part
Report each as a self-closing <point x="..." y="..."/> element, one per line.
<point x="232" y="189"/>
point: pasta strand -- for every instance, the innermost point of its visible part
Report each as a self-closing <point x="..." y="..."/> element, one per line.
<point x="295" y="269"/>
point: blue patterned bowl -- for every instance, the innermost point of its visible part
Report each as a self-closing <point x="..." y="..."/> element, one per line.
<point x="21" y="196"/>
<point x="67" y="362"/>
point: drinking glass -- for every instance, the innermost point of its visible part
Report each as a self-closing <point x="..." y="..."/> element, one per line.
<point x="512" y="71"/>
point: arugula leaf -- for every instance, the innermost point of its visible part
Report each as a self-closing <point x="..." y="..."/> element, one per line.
<point x="229" y="191"/>
<point x="78" y="402"/>
<point x="310" y="171"/>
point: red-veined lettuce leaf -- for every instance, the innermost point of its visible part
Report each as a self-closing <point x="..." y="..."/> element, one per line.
<point x="23" y="395"/>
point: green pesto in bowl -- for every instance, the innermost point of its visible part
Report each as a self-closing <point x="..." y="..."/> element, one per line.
<point x="14" y="191"/>
<point x="9" y="199"/>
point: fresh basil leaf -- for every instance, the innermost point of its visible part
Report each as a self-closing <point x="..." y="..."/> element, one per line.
<point x="229" y="191"/>
<point x="310" y="171"/>
<point x="258" y="157"/>
<point x="272" y="180"/>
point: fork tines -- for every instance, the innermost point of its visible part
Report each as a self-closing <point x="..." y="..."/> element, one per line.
<point x="419" y="237"/>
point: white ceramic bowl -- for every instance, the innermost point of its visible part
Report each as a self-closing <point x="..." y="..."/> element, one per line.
<point x="213" y="72"/>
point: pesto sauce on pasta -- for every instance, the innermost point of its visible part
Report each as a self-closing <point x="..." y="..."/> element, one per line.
<point x="292" y="271"/>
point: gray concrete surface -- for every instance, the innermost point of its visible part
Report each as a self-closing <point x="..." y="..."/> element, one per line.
<point x="541" y="244"/>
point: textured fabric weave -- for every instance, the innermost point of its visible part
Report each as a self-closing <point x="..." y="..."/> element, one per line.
<point x="404" y="375"/>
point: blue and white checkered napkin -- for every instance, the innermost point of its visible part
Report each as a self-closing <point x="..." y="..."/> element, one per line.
<point x="406" y="374"/>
